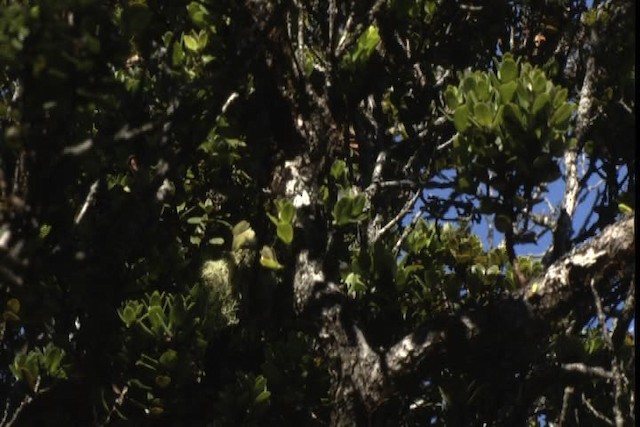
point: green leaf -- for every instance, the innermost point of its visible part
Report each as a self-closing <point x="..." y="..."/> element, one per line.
<point x="478" y="269"/>
<point x="468" y="84"/>
<point x="191" y="43"/>
<point x="451" y="97"/>
<point x="203" y="39"/>
<point x="483" y="114"/>
<point x="243" y="236"/>
<point x="493" y="270"/>
<point x="216" y="241"/>
<point x="273" y="219"/>
<point x="338" y="169"/>
<point x="260" y="384"/>
<point x="128" y="315"/>
<point x="285" y="232"/>
<point x="10" y="316"/>
<point x="355" y="284"/>
<point x="508" y="70"/>
<point x="561" y="115"/>
<point x="194" y="220"/>
<point x="539" y="82"/>
<point x="163" y="381"/>
<point x="560" y="97"/>
<point x="13" y="305"/>
<point x="482" y="89"/>
<point x="513" y="114"/>
<point x="45" y="229"/>
<point x="358" y="205"/>
<point x="367" y="43"/>
<point x="541" y="101"/>
<point x="463" y="184"/>
<point x="522" y="96"/>
<point x="286" y="211"/>
<point x="625" y="209"/>
<point x="507" y="90"/>
<point x="240" y="227"/>
<point x="157" y="319"/>
<point x="168" y="359"/>
<point x="268" y="259"/>
<point x="368" y="40"/>
<point x="156" y="410"/>
<point x="342" y="210"/>
<point x="263" y="396"/>
<point x="197" y="13"/>
<point x="52" y="358"/>
<point x="461" y="118"/>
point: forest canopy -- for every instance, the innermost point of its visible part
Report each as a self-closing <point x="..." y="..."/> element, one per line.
<point x="304" y="212"/>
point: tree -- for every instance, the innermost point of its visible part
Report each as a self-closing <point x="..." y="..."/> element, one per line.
<point x="264" y="213"/>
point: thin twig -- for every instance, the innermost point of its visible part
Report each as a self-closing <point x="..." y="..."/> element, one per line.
<point x="599" y="415"/>
<point x="227" y="103"/>
<point x="626" y="316"/>
<point x="566" y="402"/>
<point x="403" y="212"/>
<point x="91" y="196"/>
<point x="23" y="404"/>
<point x="407" y="230"/>
<point x="591" y="371"/>
<point x="346" y="38"/>
<point x="376" y="176"/>
<point x="332" y="12"/>
<point x="615" y="365"/>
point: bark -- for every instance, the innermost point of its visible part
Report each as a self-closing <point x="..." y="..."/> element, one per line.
<point x="609" y="254"/>
<point x="364" y="377"/>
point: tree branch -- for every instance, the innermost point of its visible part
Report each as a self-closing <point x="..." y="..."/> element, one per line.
<point x="605" y="255"/>
<point x="563" y="230"/>
<point x="563" y="283"/>
<point x="590" y="371"/>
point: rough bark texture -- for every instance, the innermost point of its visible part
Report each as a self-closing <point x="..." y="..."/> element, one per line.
<point x="364" y="377"/>
<point x="612" y="252"/>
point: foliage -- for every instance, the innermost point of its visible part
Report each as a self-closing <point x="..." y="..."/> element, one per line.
<point x="511" y="129"/>
<point x="164" y="166"/>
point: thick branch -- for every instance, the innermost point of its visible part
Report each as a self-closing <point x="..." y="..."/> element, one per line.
<point x="606" y="255"/>
<point x="360" y="370"/>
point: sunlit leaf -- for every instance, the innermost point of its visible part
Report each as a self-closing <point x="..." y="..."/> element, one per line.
<point x="507" y="90"/>
<point x="561" y="115"/>
<point x="541" y="101"/>
<point x="508" y="70"/>
<point x="243" y="235"/>
<point x="191" y="43"/>
<point x="461" y="118"/>
<point x="268" y="259"/>
<point x="338" y="169"/>
<point x="286" y="211"/>
<point x="483" y="114"/>
<point x="342" y="211"/>
<point x="285" y="232"/>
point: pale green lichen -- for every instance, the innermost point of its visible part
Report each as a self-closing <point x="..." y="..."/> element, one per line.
<point x="217" y="276"/>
